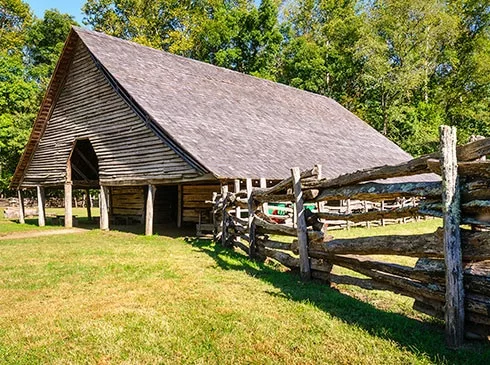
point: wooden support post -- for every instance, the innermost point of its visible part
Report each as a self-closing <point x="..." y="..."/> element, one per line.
<point x="224" y="216"/>
<point x="88" y="204"/>
<point x="179" y="205"/>
<point x="104" y="208"/>
<point x="150" y="199"/>
<point x="251" y="225"/>
<point x="383" y="223"/>
<point x="454" y="309"/>
<point x="22" y="212"/>
<point x="265" y="206"/>
<point x="304" y="260"/>
<point x="238" y="210"/>
<point x="348" y="211"/>
<point x="40" y="206"/>
<point x="68" y="205"/>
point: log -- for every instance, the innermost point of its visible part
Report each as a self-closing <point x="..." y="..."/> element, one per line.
<point x="104" y="208"/>
<point x="413" y="273"/>
<point x="275" y="244"/>
<point x="282" y="257"/>
<point x="68" y="205"/>
<point x="372" y="215"/>
<point x="379" y="192"/>
<point x="283" y="185"/>
<point x="475" y="246"/>
<point x="479" y="169"/>
<point x="282" y="229"/>
<point x="252" y="206"/>
<point x="22" y="212"/>
<point x="241" y="246"/>
<point x="150" y="200"/>
<point x="413" y="167"/>
<point x="304" y="261"/>
<point x="41" y="206"/>
<point x="454" y="313"/>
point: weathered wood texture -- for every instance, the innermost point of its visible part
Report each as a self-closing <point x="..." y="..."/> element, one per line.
<point x="41" y="206"/>
<point x="68" y="205"/>
<point x="128" y="201"/>
<point x="304" y="261"/>
<point x="88" y="107"/>
<point x="22" y="211"/>
<point x="454" y="313"/>
<point x="195" y="201"/>
<point x="104" y="208"/>
<point x="149" y="211"/>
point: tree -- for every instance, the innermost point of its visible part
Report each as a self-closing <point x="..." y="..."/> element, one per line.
<point x="400" y="49"/>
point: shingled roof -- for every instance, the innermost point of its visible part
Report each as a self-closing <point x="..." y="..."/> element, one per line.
<point x="230" y="124"/>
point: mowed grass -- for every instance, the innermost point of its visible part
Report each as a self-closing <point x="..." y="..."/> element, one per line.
<point x="114" y="297"/>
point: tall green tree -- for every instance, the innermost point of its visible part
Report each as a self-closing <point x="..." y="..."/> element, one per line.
<point x="28" y="53"/>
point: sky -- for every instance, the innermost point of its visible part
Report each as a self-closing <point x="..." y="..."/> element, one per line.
<point x="71" y="7"/>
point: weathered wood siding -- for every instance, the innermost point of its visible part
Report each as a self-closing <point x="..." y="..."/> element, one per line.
<point x="194" y="200"/>
<point x="88" y="107"/>
<point x="128" y="201"/>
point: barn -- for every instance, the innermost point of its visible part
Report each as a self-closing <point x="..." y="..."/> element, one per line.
<point x="158" y="133"/>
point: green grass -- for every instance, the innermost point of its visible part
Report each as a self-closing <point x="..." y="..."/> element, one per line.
<point x="114" y="297"/>
<point x="13" y="226"/>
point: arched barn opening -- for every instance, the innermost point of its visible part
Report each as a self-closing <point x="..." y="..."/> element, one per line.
<point x="84" y="165"/>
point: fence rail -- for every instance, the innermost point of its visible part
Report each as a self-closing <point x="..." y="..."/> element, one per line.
<point x="452" y="277"/>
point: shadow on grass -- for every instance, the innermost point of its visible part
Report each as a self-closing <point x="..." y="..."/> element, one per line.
<point x="413" y="335"/>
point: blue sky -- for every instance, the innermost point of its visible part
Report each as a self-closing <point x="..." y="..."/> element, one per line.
<point x="71" y="7"/>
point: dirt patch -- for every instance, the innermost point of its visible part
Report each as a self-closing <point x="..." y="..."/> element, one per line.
<point x="19" y="235"/>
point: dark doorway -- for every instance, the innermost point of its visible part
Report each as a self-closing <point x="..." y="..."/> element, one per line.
<point x="84" y="164"/>
<point x="165" y="208"/>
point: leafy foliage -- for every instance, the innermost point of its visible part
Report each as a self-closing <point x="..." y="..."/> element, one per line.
<point x="28" y="53"/>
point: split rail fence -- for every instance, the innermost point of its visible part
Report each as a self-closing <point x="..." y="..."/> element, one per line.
<point x="451" y="279"/>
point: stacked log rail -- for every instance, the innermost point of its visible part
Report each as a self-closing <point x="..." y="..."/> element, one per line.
<point x="425" y="282"/>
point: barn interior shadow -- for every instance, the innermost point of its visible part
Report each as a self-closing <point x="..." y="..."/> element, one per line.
<point x="410" y="334"/>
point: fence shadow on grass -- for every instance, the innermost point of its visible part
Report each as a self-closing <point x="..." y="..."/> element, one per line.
<point x="413" y="335"/>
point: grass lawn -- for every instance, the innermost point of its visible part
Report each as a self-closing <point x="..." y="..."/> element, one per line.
<point x="114" y="297"/>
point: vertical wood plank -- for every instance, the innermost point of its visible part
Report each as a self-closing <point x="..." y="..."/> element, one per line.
<point x="68" y="205"/>
<point x="238" y="210"/>
<point x="348" y="211"/>
<point x="41" y="206"/>
<point x="22" y="211"/>
<point x="104" y="208"/>
<point x="179" y="205"/>
<point x="304" y="260"/>
<point x="251" y="225"/>
<point x="88" y="204"/>
<point x="224" y="215"/>
<point x="454" y="309"/>
<point x="265" y="206"/>
<point x="150" y="199"/>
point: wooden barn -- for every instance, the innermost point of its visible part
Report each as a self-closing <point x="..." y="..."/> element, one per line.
<point x="158" y="133"/>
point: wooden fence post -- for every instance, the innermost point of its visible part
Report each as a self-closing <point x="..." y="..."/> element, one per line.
<point x="150" y="200"/>
<point x="238" y="210"/>
<point x="22" y="212"/>
<point x="251" y="224"/>
<point x="304" y="260"/>
<point x="88" y="204"/>
<point x="224" y="218"/>
<point x="265" y="206"/>
<point x="41" y="206"/>
<point x="68" y="204"/>
<point x="454" y="309"/>
<point x="104" y="208"/>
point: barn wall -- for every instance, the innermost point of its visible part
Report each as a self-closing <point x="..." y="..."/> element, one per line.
<point x="194" y="198"/>
<point x="88" y="107"/>
<point x="128" y="201"/>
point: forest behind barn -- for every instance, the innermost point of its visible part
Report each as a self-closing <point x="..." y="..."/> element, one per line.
<point x="403" y="66"/>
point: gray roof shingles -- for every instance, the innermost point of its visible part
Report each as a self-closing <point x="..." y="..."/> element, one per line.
<point x="238" y="125"/>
